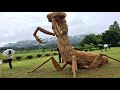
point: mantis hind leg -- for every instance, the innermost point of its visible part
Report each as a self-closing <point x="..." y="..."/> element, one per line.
<point x="98" y="61"/>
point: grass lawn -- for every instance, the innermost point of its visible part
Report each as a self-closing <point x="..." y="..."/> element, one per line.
<point x="20" y="68"/>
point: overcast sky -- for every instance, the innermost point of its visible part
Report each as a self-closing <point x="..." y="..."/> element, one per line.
<point x="16" y="26"/>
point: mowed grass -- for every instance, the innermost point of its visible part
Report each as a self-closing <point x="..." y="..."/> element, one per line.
<point x="20" y="68"/>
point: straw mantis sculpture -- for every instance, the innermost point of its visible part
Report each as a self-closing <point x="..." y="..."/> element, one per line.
<point x="70" y="56"/>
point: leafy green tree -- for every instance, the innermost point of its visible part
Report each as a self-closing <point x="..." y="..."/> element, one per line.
<point x="112" y="35"/>
<point x="99" y="39"/>
<point x="115" y="26"/>
<point x="91" y="38"/>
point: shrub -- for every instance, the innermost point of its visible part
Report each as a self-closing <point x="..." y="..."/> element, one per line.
<point x="39" y="55"/>
<point x="89" y="46"/>
<point x="93" y="49"/>
<point x="29" y="57"/>
<point x="43" y="50"/>
<point x="5" y="60"/>
<point x="79" y="48"/>
<point x="85" y="50"/>
<point x="47" y="55"/>
<point x="51" y="50"/>
<point x="55" y="54"/>
<point x="76" y="48"/>
<point x="18" y="58"/>
<point x="90" y="49"/>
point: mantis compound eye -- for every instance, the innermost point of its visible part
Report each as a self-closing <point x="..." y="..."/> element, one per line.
<point x="49" y="17"/>
<point x="63" y="15"/>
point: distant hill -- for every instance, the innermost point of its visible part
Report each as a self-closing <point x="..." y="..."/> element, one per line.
<point x="50" y="41"/>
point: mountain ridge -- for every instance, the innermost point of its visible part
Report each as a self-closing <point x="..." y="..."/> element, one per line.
<point x="50" y="41"/>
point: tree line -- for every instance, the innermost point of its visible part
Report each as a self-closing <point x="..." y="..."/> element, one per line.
<point x="110" y="36"/>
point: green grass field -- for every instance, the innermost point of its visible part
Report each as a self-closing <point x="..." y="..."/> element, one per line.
<point x="20" y="68"/>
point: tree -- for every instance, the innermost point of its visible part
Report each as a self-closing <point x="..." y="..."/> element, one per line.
<point x="112" y="35"/>
<point x="91" y="38"/>
<point x="115" y="26"/>
<point x="99" y="39"/>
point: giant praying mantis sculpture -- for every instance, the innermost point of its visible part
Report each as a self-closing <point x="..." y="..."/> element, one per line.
<point x="72" y="57"/>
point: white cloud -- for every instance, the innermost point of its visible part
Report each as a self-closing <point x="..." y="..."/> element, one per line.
<point x="16" y="26"/>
